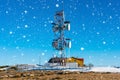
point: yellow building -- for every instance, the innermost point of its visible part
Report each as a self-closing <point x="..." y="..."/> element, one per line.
<point x="80" y="61"/>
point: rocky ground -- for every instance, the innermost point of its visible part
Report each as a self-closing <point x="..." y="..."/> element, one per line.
<point x="56" y="75"/>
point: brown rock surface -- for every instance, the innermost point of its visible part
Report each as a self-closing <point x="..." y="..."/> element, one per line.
<point x="57" y="75"/>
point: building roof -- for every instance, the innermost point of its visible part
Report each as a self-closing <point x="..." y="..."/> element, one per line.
<point x="56" y="60"/>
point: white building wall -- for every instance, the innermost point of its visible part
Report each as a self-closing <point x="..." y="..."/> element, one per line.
<point x="72" y="65"/>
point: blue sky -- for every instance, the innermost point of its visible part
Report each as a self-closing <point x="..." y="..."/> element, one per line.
<point x="26" y="30"/>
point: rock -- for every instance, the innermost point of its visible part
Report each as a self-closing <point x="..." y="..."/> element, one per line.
<point x="5" y="76"/>
<point x="11" y="76"/>
<point x="32" y="75"/>
<point x="42" y="74"/>
<point x="28" y="74"/>
<point x="49" y="73"/>
<point x="72" y="79"/>
<point x="67" y="72"/>
<point x="56" y="78"/>
<point x="18" y="75"/>
<point x="78" y="72"/>
<point x="61" y="72"/>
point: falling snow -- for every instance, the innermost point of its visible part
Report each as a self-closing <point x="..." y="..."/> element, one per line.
<point x="25" y="12"/>
<point x="26" y="26"/>
<point x="6" y="12"/>
<point x="2" y="29"/>
<point x="22" y="54"/>
<point x="118" y="27"/>
<point x="26" y="30"/>
<point x="10" y="32"/>
<point x="24" y="36"/>
<point x="98" y="33"/>
<point x="82" y="49"/>
<point x="43" y="54"/>
<point x="57" y="5"/>
<point x="103" y="22"/>
<point x="104" y="42"/>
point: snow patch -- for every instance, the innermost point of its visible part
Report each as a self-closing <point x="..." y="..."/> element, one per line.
<point x="105" y="69"/>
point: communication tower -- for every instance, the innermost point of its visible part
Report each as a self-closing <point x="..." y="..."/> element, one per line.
<point x="60" y="42"/>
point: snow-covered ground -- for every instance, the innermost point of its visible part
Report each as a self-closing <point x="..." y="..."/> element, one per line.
<point x="105" y="69"/>
<point x="97" y="69"/>
<point x="93" y="69"/>
<point x="82" y="69"/>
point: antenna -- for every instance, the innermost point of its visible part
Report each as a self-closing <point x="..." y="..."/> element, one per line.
<point x="60" y="43"/>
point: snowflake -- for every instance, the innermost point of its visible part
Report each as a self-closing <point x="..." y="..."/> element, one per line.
<point x="28" y="40"/>
<point x="55" y="56"/>
<point x="4" y="48"/>
<point x="62" y="1"/>
<point x="43" y="7"/>
<point x="2" y="29"/>
<point x="83" y="24"/>
<point x="90" y="57"/>
<point x="103" y="22"/>
<point x="60" y="52"/>
<point x="89" y="41"/>
<point x="10" y="32"/>
<point x="45" y="25"/>
<point x="24" y="36"/>
<point x="57" y="5"/>
<point x="115" y="56"/>
<point x="45" y="50"/>
<point x="112" y="42"/>
<point x="48" y="7"/>
<point x="33" y="60"/>
<point x="118" y="27"/>
<point x="17" y="47"/>
<point x="84" y="28"/>
<point x="43" y="54"/>
<point x="18" y="27"/>
<point x="110" y="4"/>
<point x="75" y="8"/>
<point x="116" y="15"/>
<point x="46" y="61"/>
<point x="98" y="33"/>
<point x="6" y="12"/>
<point x="104" y="42"/>
<point x="82" y="49"/>
<point x="73" y="32"/>
<point x="22" y="54"/>
<point x="31" y="7"/>
<point x="26" y="26"/>
<point x="93" y="14"/>
<point x="87" y="5"/>
<point x="50" y="21"/>
<point x="25" y="12"/>
<point x="110" y="17"/>
<point x="34" y="17"/>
